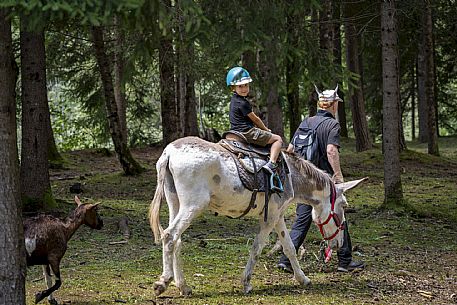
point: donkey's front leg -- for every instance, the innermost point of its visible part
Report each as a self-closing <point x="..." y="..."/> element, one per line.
<point x="256" y="250"/>
<point x="289" y="250"/>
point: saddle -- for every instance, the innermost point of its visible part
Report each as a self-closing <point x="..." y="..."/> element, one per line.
<point x="249" y="159"/>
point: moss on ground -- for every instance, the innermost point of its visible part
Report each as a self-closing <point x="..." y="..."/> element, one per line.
<point x="410" y="254"/>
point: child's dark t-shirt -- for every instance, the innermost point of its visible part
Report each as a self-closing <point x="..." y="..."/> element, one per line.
<point x="239" y="110"/>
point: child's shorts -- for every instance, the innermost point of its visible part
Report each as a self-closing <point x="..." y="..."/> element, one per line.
<point x="258" y="136"/>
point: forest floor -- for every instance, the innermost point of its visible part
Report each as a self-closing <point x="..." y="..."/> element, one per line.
<point x="410" y="253"/>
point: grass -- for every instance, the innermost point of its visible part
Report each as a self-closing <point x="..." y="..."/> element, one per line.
<point x="411" y="255"/>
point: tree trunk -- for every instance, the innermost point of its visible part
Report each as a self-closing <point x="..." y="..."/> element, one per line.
<point x="180" y="88"/>
<point x="427" y="25"/>
<point x="357" y="101"/>
<point x="293" y="73"/>
<point x="170" y="116"/>
<point x="190" y="109"/>
<point x="35" y="185"/>
<point x="325" y="41"/>
<point x="249" y="61"/>
<point x="391" y="105"/>
<point x="326" y="27"/>
<point x="119" y="84"/>
<point x="12" y="258"/>
<point x="337" y="61"/>
<point x="421" y="93"/>
<point x="128" y="163"/>
<point x="168" y="101"/>
<point x="312" y="95"/>
<point x="413" y="103"/>
<point x="186" y="80"/>
<point x="54" y="157"/>
<point x="269" y="70"/>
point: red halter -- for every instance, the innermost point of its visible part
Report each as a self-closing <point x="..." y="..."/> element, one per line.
<point x="339" y="224"/>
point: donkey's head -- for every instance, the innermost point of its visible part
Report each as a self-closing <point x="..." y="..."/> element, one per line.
<point x="330" y="220"/>
<point x="90" y="214"/>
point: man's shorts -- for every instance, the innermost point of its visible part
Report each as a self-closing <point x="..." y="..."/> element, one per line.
<point x="258" y="136"/>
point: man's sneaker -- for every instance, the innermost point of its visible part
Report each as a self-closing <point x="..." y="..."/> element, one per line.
<point x="270" y="167"/>
<point x="351" y="266"/>
<point x="285" y="267"/>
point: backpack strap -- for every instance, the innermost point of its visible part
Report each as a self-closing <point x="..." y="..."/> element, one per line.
<point x="319" y="122"/>
<point x="308" y="125"/>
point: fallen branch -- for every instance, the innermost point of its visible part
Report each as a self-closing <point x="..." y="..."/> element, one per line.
<point x="426" y="294"/>
<point x="118" y="242"/>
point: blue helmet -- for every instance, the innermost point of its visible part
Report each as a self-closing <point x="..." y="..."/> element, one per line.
<point x="238" y="76"/>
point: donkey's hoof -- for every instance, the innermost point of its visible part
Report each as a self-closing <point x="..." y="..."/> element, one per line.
<point x="247" y="288"/>
<point x="185" y="291"/>
<point x="38" y="297"/>
<point x="159" y="288"/>
<point x="53" y="302"/>
<point x="306" y="281"/>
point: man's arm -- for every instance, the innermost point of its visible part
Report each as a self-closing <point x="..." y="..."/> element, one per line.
<point x="333" y="157"/>
<point x="257" y="121"/>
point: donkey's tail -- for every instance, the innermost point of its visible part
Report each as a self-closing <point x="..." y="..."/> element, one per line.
<point x="154" y="208"/>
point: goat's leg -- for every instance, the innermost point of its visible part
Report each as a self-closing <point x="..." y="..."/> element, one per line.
<point x="48" y="281"/>
<point x="289" y="250"/>
<point x="169" y="241"/>
<point x="48" y="292"/>
<point x="256" y="249"/>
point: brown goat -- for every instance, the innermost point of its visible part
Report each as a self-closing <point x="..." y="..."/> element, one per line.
<point x="46" y="240"/>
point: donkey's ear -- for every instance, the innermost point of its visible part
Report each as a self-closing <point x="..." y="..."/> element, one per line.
<point x="78" y="202"/>
<point x="350" y="184"/>
<point x="95" y="205"/>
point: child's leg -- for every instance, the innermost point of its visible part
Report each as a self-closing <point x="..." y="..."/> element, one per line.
<point x="276" y="144"/>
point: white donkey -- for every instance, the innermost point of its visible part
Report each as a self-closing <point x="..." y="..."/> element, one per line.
<point x="195" y="175"/>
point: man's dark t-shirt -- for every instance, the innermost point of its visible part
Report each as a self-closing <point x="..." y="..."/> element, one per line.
<point x="327" y="133"/>
<point x="239" y="110"/>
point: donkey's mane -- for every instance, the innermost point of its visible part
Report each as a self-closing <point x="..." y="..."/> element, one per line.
<point x="308" y="169"/>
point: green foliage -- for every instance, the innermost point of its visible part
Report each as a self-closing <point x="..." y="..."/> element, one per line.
<point x="220" y="33"/>
<point x="445" y="42"/>
<point x="88" y="12"/>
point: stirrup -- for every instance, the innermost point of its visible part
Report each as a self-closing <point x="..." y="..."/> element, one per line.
<point x="276" y="187"/>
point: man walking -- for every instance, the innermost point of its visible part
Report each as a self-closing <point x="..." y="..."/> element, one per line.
<point x="327" y="131"/>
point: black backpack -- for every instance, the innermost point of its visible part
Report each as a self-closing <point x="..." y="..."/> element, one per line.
<point x="306" y="142"/>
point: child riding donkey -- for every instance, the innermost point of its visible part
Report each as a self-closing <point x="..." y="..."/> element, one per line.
<point x="245" y="121"/>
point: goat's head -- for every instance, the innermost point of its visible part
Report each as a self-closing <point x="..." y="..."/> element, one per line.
<point x="90" y="212"/>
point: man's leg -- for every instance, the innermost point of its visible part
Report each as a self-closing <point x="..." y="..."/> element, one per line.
<point x="345" y="262"/>
<point x="345" y="252"/>
<point x="298" y="231"/>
